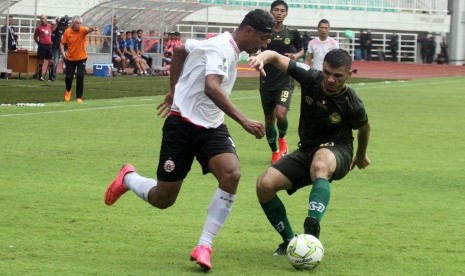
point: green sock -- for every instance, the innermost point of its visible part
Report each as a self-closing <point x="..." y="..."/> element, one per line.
<point x="271" y="135"/>
<point x="282" y="128"/>
<point x="319" y="198"/>
<point x="276" y="214"/>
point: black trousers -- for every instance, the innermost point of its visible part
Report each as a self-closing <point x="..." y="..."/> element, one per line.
<point x="78" y="66"/>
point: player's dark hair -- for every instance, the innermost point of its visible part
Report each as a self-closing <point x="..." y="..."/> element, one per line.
<point x="337" y="58"/>
<point x="278" y="3"/>
<point x="323" y="21"/>
<point x="260" y="20"/>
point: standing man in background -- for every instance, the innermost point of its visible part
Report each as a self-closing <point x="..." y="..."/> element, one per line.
<point x="276" y="87"/>
<point x="43" y="38"/>
<point x="57" y="34"/>
<point x="10" y="34"/>
<point x="369" y="44"/>
<point x="107" y="33"/>
<point x="320" y="46"/>
<point x="76" y="56"/>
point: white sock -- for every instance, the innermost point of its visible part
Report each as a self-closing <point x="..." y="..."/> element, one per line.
<point x="139" y="185"/>
<point x="218" y="211"/>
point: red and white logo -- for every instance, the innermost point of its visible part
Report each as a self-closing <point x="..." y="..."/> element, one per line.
<point x="169" y="166"/>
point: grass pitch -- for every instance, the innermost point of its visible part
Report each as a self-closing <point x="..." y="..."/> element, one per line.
<point x="403" y="215"/>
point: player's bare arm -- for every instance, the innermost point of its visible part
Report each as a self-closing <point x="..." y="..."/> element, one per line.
<point x="308" y="59"/>
<point x="295" y="56"/>
<point x="361" y="159"/>
<point x="177" y="63"/>
<point x="93" y="29"/>
<point x="215" y="93"/>
<point x="269" y="57"/>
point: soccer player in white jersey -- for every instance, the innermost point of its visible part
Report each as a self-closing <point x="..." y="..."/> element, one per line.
<point x="320" y="46"/>
<point x="202" y="77"/>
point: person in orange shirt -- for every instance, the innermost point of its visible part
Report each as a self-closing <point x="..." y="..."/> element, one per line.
<point x="75" y="57"/>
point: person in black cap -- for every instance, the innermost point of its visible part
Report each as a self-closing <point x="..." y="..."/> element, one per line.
<point x="276" y="87"/>
<point x="202" y="77"/>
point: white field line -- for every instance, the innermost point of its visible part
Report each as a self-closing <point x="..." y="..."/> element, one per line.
<point x="356" y="87"/>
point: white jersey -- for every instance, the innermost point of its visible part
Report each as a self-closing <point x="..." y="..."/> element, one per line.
<point x="216" y="56"/>
<point x="319" y="49"/>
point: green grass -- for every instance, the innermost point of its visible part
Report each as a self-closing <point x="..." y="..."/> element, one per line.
<point x="32" y="91"/>
<point x="403" y="215"/>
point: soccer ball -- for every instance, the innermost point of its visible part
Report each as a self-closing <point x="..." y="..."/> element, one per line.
<point x="304" y="252"/>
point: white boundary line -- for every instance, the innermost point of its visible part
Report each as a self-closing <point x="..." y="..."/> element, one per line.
<point x="355" y="86"/>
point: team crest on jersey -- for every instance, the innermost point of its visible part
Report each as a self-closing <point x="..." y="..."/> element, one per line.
<point x="335" y="118"/>
<point x="287" y="41"/>
<point x="169" y="166"/>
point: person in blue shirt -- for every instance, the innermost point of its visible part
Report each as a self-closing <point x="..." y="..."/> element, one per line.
<point x="131" y="54"/>
<point x="107" y="34"/>
<point x="140" y="50"/>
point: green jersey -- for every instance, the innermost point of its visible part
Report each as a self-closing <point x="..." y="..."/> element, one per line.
<point x="284" y="41"/>
<point x="325" y="118"/>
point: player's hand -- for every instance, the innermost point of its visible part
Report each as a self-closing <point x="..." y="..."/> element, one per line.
<point x="360" y="162"/>
<point x="163" y="109"/>
<point x="257" y="64"/>
<point x="290" y="55"/>
<point x="95" y="28"/>
<point x="255" y="128"/>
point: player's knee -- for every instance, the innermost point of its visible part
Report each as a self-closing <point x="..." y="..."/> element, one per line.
<point x="230" y="180"/>
<point x="234" y="176"/>
<point x="265" y="186"/>
<point x="281" y="113"/>
<point x="319" y="168"/>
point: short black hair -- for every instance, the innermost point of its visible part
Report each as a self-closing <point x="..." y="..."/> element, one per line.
<point x="260" y="20"/>
<point x="337" y="58"/>
<point x="279" y="2"/>
<point x="323" y="21"/>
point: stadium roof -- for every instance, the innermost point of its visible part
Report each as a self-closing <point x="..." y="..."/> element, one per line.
<point x="145" y="14"/>
<point x="4" y="5"/>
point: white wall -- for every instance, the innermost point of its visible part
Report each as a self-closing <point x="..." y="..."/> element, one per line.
<point x="401" y="22"/>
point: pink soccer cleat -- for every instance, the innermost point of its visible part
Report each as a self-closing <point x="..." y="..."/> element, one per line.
<point x="282" y="146"/>
<point x="116" y="188"/>
<point x="201" y="254"/>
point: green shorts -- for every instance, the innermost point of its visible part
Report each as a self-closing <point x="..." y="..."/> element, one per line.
<point x="296" y="165"/>
<point x="272" y="98"/>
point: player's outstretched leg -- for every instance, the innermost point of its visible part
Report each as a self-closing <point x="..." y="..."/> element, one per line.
<point x="117" y="188"/>
<point x="201" y="254"/>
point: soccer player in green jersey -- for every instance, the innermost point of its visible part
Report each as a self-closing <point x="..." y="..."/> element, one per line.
<point x="329" y="111"/>
<point x="276" y="87"/>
